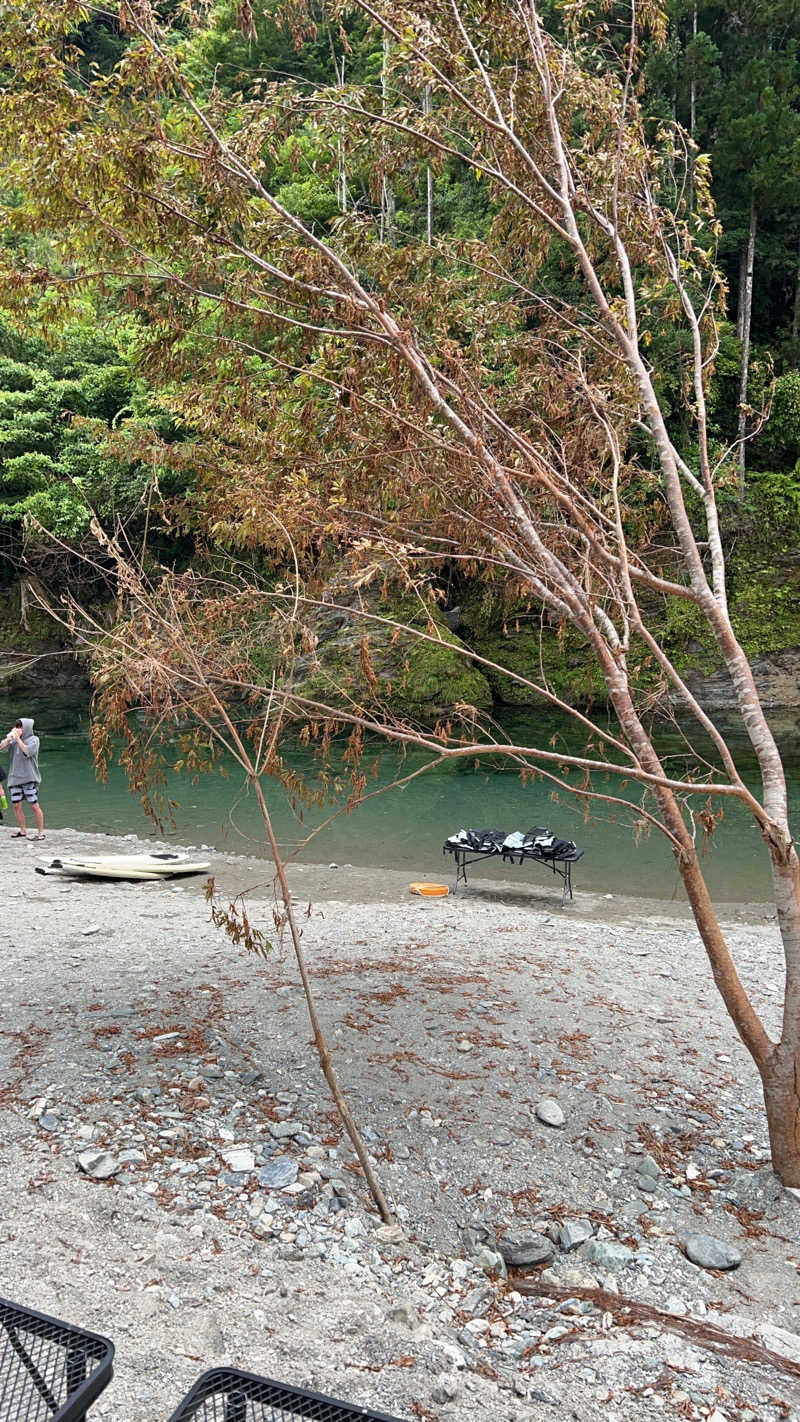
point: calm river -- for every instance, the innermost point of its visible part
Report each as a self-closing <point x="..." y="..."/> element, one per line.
<point x="402" y="829"/>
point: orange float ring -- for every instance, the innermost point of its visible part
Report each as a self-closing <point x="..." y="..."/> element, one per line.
<point x="430" y="891"/>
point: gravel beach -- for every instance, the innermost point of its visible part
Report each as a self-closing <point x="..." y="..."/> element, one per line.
<point x="561" y="1115"/>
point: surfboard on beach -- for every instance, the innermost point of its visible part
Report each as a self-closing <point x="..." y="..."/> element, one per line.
<point x="126" y="866"/>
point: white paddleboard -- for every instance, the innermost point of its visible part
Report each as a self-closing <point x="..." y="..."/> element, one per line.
<point x="128" y="866"/>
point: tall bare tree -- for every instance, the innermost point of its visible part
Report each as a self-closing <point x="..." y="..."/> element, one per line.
<point x="447" y="404"/>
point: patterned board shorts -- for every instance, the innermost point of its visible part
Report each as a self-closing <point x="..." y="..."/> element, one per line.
<point x="29" y="792"/>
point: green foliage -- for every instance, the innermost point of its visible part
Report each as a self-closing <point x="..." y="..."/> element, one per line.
<point x="370" y="664"/>
<point x="773" y="504"/>
<point x="15" y="375"/>
<point x="61" y="457"/>
<point x="557" y="660"/>
<point x="780" y="441"/>
<point x="242" y="64"/>
<point x="262" y="406"/>
<point x="41" y="393"/>
<point x="765" y="610"/>
<point x="723" y="389"/>
<point x="302" y="178"/>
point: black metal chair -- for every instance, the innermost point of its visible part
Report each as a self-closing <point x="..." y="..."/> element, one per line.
<point x="230" y="1395"/>
<point x="49" y="1371"/>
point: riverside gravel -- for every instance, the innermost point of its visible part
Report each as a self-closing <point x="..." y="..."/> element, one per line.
<point x="557" y="1089"/>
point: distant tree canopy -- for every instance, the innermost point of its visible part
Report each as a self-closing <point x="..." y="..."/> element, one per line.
<point x="74" y="422"/>
<point x="728" y="71"/>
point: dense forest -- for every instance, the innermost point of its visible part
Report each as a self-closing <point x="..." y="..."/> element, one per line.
<point x="95" y="418"/>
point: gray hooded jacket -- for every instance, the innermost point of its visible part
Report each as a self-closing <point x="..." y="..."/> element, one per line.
<point x="22" y="768"/>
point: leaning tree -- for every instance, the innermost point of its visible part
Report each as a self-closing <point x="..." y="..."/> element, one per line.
<point x="492" y="403"/>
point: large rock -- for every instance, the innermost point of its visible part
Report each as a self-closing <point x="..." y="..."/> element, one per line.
<point x="777" y="677"/>
<point x="416" y="675"/>
<point x="607" y="1254"/>
<point x="709" y="1253"/>
<point x="780" y="1340"/>
<point x="527" y="1251"/>
<point x="758" y="1189"/>
<point x="278" y="1173"/>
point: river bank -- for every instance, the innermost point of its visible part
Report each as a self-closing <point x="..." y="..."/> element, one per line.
<point x="233" y="1227"/>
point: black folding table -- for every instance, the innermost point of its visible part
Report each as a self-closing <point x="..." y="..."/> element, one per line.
<point x="492" y="847"/>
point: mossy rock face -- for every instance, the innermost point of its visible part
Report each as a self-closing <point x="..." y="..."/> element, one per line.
<point x="358" y="660"/>
<point x="518" y="638"/>
<point x="544" y="657"/>
<point x="765" y="607"/>
<point x="36" y="658"/>
<point x="764" y="599"/>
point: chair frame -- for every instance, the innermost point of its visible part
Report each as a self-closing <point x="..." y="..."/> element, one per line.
<point x="243" y="1396"/>
<point x="86" y="1369"/>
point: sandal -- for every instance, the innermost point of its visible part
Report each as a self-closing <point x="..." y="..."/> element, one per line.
<point x="37" y="837"/>
<point x="19" y="834"/>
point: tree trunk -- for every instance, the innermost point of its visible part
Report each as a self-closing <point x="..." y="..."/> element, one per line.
<point x="740" y="290"/>
<point x="426" y="108"/>
<point x="341" y="175"/>
<point x="388" y="227"/>
<point x="24" y="603"/>
<point x="326" y="1064"/>
<point x="387" y="223"/>
<point x="693" y="85"/>
<point x="796" y="315"/>
<point x="781" y="1083"/>
<point x="745" y="311"/>
<point x="692" y="108"/>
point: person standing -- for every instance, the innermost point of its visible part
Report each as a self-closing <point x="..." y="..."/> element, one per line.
<point x="24" y="777"/>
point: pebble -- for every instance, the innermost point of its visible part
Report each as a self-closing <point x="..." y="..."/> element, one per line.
<point x="405" y="1314"/>
<point x="499" y="1136"/>
<point x="241" y="1159"/>
<point x="490" y="1261"/>
<point x="284" y="1130"/>
<point x="549" y="1112"/>
<point x="574" y="1233"/>
<point x="446" y="1388"/>
<point x="278" y="1173"/>
<point x="99" y="1164"/>
<point x="389" y="1234"/>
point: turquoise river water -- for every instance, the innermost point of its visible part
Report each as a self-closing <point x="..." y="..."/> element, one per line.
<point x="400" y="829"/>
